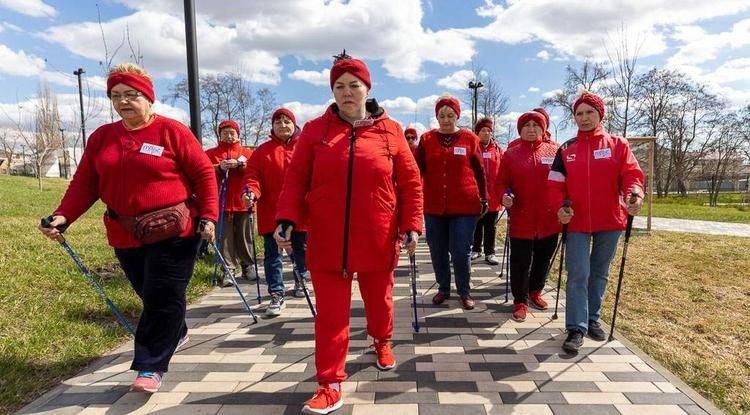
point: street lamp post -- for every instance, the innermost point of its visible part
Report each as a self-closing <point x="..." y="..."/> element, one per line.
<point x="474" y="85"/>
<point x="192" y="64"/>
<point x="78" y="73"/>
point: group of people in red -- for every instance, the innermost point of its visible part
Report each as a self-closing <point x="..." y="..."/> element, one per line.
<point x="355" y="189"/>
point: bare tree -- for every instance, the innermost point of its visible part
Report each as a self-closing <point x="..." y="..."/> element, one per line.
<point x="9" y="146"/>
<point x="589" y="76"/>
<point x="724" y="157"/>
<point x="621" y="89"/>
<point x="492" y="102"/>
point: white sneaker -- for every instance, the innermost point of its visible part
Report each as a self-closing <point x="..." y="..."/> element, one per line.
<point x="475" y="255"/>
<point x="491" y="259"/>
<point x="277" y="304"/>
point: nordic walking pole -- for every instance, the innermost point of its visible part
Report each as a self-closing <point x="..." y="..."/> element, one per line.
<point x="563" y="241"/>
<point x="234" y="281"/>
<point x="299" y="279"/>
<point x="220" y="226"/>
<point x="251" y="216"/>
<point x="633" y="198"/>
<point x="413" y="274"/>
<point x="99" y="289"/>
<point x="506" y="253"/>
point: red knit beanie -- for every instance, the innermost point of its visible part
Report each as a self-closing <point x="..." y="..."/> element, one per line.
<point x="545" y="113"/>
<point x="591" y="99"/>
<point x="138" y="82"/>
<point x="529" y="116"/>
<point x="451" y="102"/>
<point x="354" y="66"/>
<point x="412" y="131"/>
<point x="229" y="124"/>
<point x="483" y="122"/>
<point x="283" y="111"/>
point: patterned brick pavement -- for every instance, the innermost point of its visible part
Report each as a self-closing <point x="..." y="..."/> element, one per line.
<point x="460" y="363"/>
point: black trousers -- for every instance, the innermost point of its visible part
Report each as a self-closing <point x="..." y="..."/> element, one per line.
<point x="529" y="263"/>
<point x="159" y="274"/>
<point x="485" y="231"/>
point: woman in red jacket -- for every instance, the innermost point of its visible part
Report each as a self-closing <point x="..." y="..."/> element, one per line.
<point x="354" y="175"/>
<point x="533" y="228"/>
<point x="599" y="174"/>
<point x="146" y="163"/>
<point x="486" y="229"/>
<point x="265" y="174"/>
<point x="411" y="138"/>
<point x="230" y="160"/>
<point x="455" y="196"/>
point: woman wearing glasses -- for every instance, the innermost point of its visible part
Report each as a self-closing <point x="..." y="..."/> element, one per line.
<point x="149" y="170"/>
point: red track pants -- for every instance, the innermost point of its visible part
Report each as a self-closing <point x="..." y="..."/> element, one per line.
<point x="333" y="298"/>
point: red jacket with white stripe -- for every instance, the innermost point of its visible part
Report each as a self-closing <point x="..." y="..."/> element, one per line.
<point x="265" y="176"/>
<point x="524" y="171"/>
<point x="236" y="180"/>
<point x="492" y="156"/>
<point x="596" y="172"/>
<point x="454" y="180"/>
<point x="359" y="187"/>
<point x="139" y="171"/>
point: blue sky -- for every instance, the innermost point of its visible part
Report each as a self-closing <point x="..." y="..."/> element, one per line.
<point x="413" y="47"/>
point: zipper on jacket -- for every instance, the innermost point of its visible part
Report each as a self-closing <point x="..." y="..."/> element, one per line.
<point x="347" y="208"/>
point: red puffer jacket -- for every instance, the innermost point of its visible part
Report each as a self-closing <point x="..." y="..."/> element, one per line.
<point x="454" y="181"/>
<point x="236" y="181"/>
<point x="265" y="176"/>
<point x="361" y="188"/>
<point x="139" y="171"/>
<point x="524" y="171"/>
<point x="492" y="156"/>
<point x="596" y="171"/>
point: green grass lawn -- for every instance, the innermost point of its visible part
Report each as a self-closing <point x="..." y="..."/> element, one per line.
<point x="695" y="206"/>
<point x="53" y="323"/>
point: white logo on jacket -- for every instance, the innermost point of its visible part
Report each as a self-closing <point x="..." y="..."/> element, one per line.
<point x="570" y="157"/>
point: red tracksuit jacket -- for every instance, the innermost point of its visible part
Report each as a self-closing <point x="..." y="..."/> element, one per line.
<point x="361" y="188"/>
<point x="236" y="181"/>
<point x="139" y="171"/>
<point x="454" y="180"/>
<point x="596" y="171"/>
<point x="265" y="176"/>
<point x="492" y="156"/>
<point x="524" y="171"/>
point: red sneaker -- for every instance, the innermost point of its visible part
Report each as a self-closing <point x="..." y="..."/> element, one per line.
<point x="536" y="300"/>
<point x="519" y="312"/>
<point x="386" y="359"/>
<point x="324" y="401"/>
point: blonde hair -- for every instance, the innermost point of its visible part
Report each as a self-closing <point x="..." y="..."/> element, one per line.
<point x="129" y="67"/>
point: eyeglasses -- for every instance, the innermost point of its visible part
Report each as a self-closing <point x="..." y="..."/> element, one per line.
<point x="128" y="96"/>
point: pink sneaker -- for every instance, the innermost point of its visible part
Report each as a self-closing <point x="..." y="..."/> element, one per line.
<point x="147" y="381"/>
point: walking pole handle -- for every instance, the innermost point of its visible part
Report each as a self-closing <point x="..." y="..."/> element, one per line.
<point x="47" y="223"/>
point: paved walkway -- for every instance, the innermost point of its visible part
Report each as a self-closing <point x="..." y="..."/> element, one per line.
<point x="460" y="363"/>
<point x="694" y="226"/>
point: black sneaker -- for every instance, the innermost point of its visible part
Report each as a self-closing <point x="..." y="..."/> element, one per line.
<point x="298" y="291"/>
<point x="595" y="331"/>
<point x="248" y="273"/>
<point x="573" y="342"/>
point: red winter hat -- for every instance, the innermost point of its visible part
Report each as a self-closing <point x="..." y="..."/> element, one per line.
<point x="283" y="111"/>
<point x="529" y="116"/>
<point x="138" y="82"/>
<point x="354" y="66"/>
<point x="483" y="122"/>
<point x="545" y="113"/>
<point x="591" y="99"/>
<point x="229" y="124"/>
<point x="451" y="102"/>
<point x="412" y="131"/>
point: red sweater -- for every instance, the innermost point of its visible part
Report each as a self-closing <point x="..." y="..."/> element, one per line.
<point x="596" y="171"/>
<point x="492" y="156"/>
<point x="454" y="180"/>
<point x="385" y="192"/>
<point x="524" y="171"/>
<point x="265" y="176"/>
<point x="139" y="171"/>
<point x="236" y="181"/>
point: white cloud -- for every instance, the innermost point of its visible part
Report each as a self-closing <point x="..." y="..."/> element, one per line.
<point x="699" y="46"/>
<point x="305" y="112"/>
<point x="317" y="78"/>
<point x="19" y="63"/>
<point x="543" y="55"/>
<point x="580" y="28"/>
<point x="723" y="80"/>
<point x="522" y="96"/>
<point x="406" y="105"/>
<point x="457" y="80"/>
<point x="534" y="89"/>
<point x="33" y="8"/>
<point x="550" y="94"/>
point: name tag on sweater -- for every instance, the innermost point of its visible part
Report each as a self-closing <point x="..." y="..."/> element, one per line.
<point x="604" y="153"/>
<point x="487" y="155"/>
<point x="459" y="151"/>
<point x="547" y="160"/>
<point x="242" y="159"/>
<point x="152" y="149"/>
